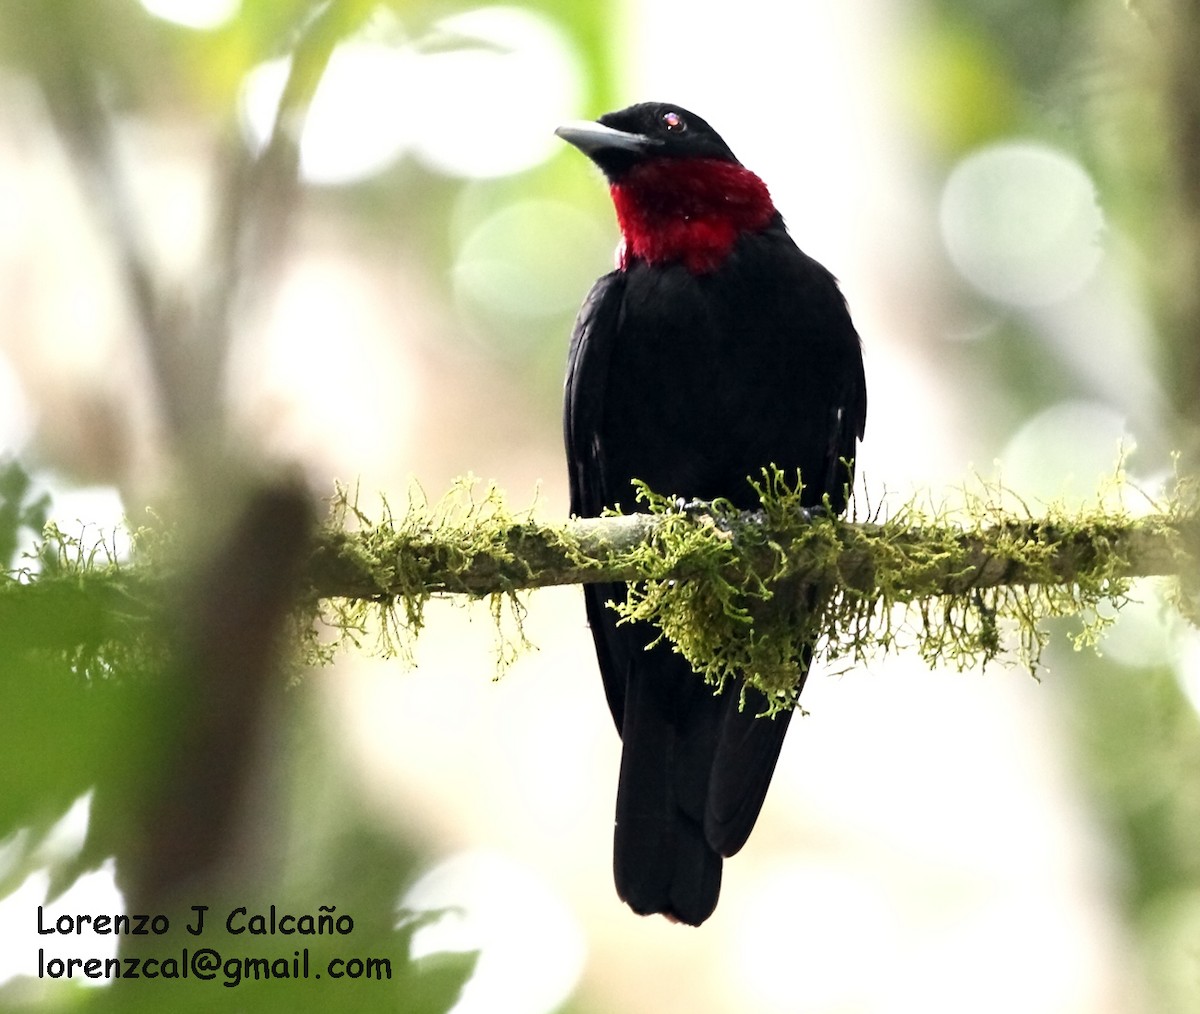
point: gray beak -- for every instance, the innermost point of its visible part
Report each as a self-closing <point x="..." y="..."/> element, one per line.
<point x="590" y="137"/>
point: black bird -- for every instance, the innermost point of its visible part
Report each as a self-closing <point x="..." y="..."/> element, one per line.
<point x="717" y="347"/>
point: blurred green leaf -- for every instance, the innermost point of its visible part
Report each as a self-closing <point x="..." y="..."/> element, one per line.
<point x="22" y="509"/>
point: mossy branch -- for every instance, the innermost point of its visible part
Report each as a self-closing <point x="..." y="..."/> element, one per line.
<point x="737" y="592"/>
<point x="938" y="560"/>
<point x="743" y="592"/>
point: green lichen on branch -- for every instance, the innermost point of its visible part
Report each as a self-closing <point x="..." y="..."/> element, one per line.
<point x="735" y="592"/>
<point x="379" y="575"/>
<point x="744" y="592"/>
<point x="962" y="588"/>
<point x="77" y="597"/>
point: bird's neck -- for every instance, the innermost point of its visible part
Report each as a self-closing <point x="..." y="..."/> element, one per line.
<point x="688" y="210"/>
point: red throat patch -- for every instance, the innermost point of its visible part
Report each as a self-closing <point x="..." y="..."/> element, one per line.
<point x="689" y="210"/>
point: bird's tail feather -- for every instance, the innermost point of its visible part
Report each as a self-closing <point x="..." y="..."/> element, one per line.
<point x="747" y="751"/>
<point x="661" y="859"/>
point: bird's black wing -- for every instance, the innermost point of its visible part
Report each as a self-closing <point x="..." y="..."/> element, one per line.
<point x="583" y="412"/>
<point x="584" y="391"/>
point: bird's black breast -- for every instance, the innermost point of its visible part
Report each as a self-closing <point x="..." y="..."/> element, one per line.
<point x="693" y="382"/>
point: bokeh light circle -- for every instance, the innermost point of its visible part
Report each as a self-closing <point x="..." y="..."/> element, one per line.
<point x="1021" y="224"/>
<point x="478" y="97"/>
<point x="200" y="14"/>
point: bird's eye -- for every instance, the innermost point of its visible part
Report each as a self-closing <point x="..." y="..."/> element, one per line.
<point x="675" y="123"/>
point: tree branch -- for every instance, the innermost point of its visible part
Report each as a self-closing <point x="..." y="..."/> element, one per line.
<point x="598" y="550"/>
<point x="743" y="556"/>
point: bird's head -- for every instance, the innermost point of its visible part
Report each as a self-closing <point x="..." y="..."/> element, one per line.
<point x="679" y="192"/>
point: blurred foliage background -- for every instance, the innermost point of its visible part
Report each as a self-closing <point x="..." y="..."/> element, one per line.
<point x="250" y="247"/>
